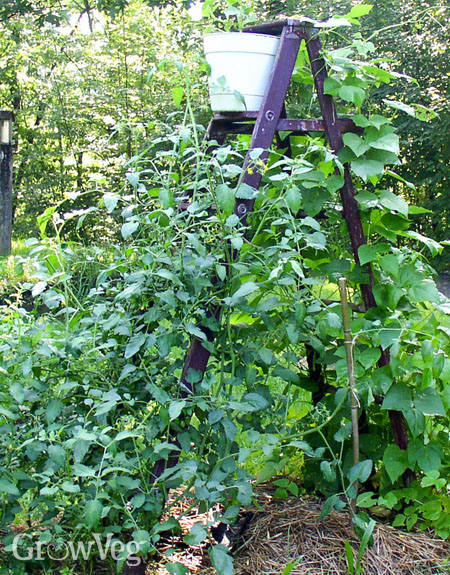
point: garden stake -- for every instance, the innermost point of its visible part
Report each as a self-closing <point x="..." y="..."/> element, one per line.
<point x="354" y="402"/>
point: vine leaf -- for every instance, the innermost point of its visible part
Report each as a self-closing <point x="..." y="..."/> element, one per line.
<point x="395" y="462"/>
<point x="221" y="560"/>
<point x="93" y="512"/>
<point x="429" y="403"/>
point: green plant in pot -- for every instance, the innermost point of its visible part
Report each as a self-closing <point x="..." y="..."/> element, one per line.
<point x="240" y="63"/>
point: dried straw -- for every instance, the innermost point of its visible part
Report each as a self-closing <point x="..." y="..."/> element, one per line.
<point x="285" y="530"/>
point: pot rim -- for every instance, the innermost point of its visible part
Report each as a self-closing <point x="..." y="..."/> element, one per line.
<point x="241" y="34"/>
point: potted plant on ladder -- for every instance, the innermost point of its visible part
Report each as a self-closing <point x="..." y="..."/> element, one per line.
<point x="240" y="63"/>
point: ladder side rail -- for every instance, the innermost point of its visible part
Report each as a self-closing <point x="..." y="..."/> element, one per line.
<point x="351" y="212"/>
<point x="263" y="133"/>
<point x="334" y="136"/>
<point x="269" y="113"/>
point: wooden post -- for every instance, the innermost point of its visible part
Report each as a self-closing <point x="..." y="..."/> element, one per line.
<point x="6" y="171"/>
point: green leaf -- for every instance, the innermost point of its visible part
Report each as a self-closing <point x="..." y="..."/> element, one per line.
<point x="175" y="408"/>
<point x="128" y="229"/>
<point x="266" y="355"/>
<point x="389" y="335"/>
<point x="369" y="252"/>
<point x="393" y="202"/>
<point x="134" y="345"/>
<point x="255" y="400"/>
<point x="215" y="416"/>
<point x="166" y="198"/>
<point x="327" y="471"/>
<point x="110" y="200"/>
<point x="389" y="264"/>
<point x="285" y="374"/>
<point x="367" y="199"/>
<point x="70" y="487"/>
<point x="395" y="462"/>
<point x="350" y="556"/>
<point x="225" y="199"/>
<point x="399" y="397"/>
<point x="170" y="525"/>
<point x="358" y="11"/>
<point x="8" y="487"/>
<point x="352" y="94"/>
<point x="434" y="247"/>
<point x="177" y="95"/>
<point x="196" y="331"/>
<point x="429" y="458"/>
<point x="8" y="414"/>
<point x="388" y="142"/>
<point x="221" y="560"/>
<point x="401" y="106"/>
<point x="331" y="86"/>
<point x="93" y="512"/>
<point x="143" y="540"/>
<point x="367" y="169"/>
<point x="294" y="199"/>
<point x="291" y="565"/>
<point x="54" y="408"/>
<point x="176" y="568"/>
<point x="365" y="500"/>
<point x="357" y="145"/>
<point x="246" y="289"/>
<point x="424" y="291"/>
<point x="138" y="500"/>
<point x="333" y="502"/>
<point x="57" y="454"/>
<point x="361" y="471"/>
<point x="416" y="421"/>
<point x="334" y="320"/>
<point x="369" y="357"/>
<point x="196" y="535"/>
<point x="81" y="470"/>
<point x="133" y="179"/>
<point x="429" y="402"/>
<point x="343" y="432"/>
<point x="229" y="427"/>
<point x="334" y="183"/>
<point x="245" y="192"/>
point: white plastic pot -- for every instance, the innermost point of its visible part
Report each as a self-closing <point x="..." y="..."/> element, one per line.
<point x="241" y="63"/>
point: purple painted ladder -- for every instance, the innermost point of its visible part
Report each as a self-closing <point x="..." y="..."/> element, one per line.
<point x="267" y="122"/>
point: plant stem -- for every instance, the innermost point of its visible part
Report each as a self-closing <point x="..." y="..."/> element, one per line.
<point x="354" y="402"/>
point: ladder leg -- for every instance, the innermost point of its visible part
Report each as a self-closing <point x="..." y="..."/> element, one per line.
<point x="270" y="112"/>
<point x="351" y="211"/>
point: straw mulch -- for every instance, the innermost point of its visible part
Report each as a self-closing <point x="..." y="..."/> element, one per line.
<point x="284" y="530"/>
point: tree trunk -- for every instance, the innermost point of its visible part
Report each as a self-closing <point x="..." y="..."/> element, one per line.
<point x="6" y="156"/>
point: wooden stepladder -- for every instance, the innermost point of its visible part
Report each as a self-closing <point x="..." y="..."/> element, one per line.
<point x="264" y="127"/>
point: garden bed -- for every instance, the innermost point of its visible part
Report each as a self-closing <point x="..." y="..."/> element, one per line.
<point x="283" y="530"/>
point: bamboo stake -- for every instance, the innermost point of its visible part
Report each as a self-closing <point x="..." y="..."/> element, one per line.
<point x="354" y="402"/>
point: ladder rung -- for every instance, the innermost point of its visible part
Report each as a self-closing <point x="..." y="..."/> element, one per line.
<point x="274" y="28"/>
<point x="237" y="123"/>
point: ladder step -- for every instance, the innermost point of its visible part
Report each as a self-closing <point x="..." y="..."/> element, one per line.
<point x="240" y="123"/>
<point x="275" y="28"/>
